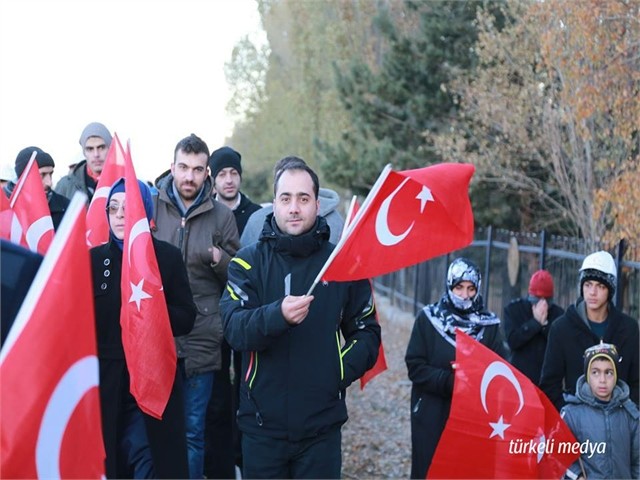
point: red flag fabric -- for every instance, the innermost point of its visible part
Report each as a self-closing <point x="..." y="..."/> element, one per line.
<point x="407" y="218"/>
<point x="34" y="227"/>
<point x="97" y="224"/>
<point x="6" y="218"/>
<point x="51" y="425"/>
<point x="378" y="367"/>
<point x="147" y="338"/>
<point x="500" y="425"/>
<point x="381" y="363"/>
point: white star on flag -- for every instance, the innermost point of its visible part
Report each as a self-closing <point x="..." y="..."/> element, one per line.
<point x="424" y="196"/>
<point x="137" y="293"/>
<point x="499" y="427"/>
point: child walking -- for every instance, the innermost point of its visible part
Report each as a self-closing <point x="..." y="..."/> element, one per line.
<point x="601" y="413"/>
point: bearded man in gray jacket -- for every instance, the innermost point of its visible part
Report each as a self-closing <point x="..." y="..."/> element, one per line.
<point x="205" y="231"/>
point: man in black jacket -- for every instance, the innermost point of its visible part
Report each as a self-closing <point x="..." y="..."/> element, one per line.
<point x="222" y="441"/>
<point x="296" y="368"/>
<point x="593" y="319"/>
<point x="58" y="204"/>
<point x="527" y="322"/>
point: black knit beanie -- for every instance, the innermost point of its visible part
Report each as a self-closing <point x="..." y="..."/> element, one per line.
<point x="43" y="159"/>
<point x="222" y="158"/>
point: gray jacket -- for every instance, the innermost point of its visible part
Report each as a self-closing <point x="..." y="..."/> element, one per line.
<point x="74" y="182"/>
<point x="206" y="223"/>
<point x="329" y="203"/>
<point x="612" y="425"/>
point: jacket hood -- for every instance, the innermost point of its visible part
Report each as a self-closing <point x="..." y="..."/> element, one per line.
<point x="299" y="245"/>
<point x="329" y="201"/>
<point x="161" y="181"/>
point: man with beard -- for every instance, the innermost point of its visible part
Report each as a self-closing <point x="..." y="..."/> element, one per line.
<point x="57" y="203"/>
<point x="205" y="231"/>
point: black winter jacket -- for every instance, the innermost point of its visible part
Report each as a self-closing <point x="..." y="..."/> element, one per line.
<point x="244" y="211"/>
<point x="428" y="358"/>
<point x="294" y="378"/>
<point x="570" y="336"/>
<point x="167" y="437"/>
<point x="527" y="339"/>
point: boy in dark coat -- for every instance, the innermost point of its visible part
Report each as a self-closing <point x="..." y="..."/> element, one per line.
<point x="601" y="414"/>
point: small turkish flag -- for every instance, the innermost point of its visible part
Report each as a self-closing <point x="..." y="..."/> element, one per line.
<point x="500" y="425"/>
<point x="51" y="425"/>
<point x="147" y="338"/>
<point x="34" y="228"/>
<point x="407" y="218"/>
<point x="97" y="224"/>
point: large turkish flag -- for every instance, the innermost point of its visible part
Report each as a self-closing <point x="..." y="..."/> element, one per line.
<point x="147" y="338"/>
<point x="51" y="424"/>
<point x="407" y="218"/>
<point x="500" y="425"/>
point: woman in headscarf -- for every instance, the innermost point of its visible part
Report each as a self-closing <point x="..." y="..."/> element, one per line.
<point x="431" y="353"/>
<point x="137" y="445"/>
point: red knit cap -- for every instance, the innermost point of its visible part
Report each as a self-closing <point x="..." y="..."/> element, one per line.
<point x="541" y="284"/>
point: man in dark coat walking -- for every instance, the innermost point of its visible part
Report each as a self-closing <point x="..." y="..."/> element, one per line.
<point x="58" y="204"/>
<point x="527" y="322"/>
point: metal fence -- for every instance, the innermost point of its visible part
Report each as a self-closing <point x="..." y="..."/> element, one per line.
<point x="508" y="259"/>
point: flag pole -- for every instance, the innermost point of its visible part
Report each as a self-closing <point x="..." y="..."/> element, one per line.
<point x="23" y="177"/>
<point x="349" y="227"/>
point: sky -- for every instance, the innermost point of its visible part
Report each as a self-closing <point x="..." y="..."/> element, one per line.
<point x="151" y="71"/>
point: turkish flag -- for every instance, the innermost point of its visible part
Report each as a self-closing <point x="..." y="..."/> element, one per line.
<point x="407" y="218"/>
<point x="6" y="217"/>
<point x="500" y="425"/>
<point x="51" y="425"/>
<point x="97" y="224"/>
<point x="147" y="338"/>
<point x="381" y="362"/>
<point x="378" y="367"/>
<point x="34" y="227"/>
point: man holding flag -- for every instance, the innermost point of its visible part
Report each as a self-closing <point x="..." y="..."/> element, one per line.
<point x="296" y="367"/>
<point x="139" y="442"/>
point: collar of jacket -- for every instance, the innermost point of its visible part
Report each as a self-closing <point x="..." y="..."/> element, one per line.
<point x="298" y="245"/>
<point x="166" y="184"/>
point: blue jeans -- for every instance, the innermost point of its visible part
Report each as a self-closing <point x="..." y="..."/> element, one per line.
<point x="197" y="391"/>
<point x="134" y="451"/>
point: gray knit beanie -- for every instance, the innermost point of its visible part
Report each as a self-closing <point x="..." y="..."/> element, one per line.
<point x="95" y="129"/>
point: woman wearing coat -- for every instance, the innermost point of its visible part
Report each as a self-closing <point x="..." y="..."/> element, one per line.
<point x="431" y="351"/>
<point x="137" y="445"/>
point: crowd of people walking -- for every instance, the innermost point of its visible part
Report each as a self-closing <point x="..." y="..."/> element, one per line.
<point x="262" y="367"/>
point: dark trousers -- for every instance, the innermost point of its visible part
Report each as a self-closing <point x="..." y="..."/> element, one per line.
<point x="317" y="457"/>
<point x="134" y="450"/>
<point x="222" y="437"/>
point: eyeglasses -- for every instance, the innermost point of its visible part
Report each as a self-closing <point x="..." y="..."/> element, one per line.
<point x="113" y="208"/>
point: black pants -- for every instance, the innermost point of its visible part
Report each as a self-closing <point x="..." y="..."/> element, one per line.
<point x="317" y="457"/>
<point x="222" y="450"/>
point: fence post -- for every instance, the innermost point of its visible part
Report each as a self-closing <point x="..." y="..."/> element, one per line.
<point x="543" y="249"/>
<point x="487" y="263"/>
<point x="622" y="246"/>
